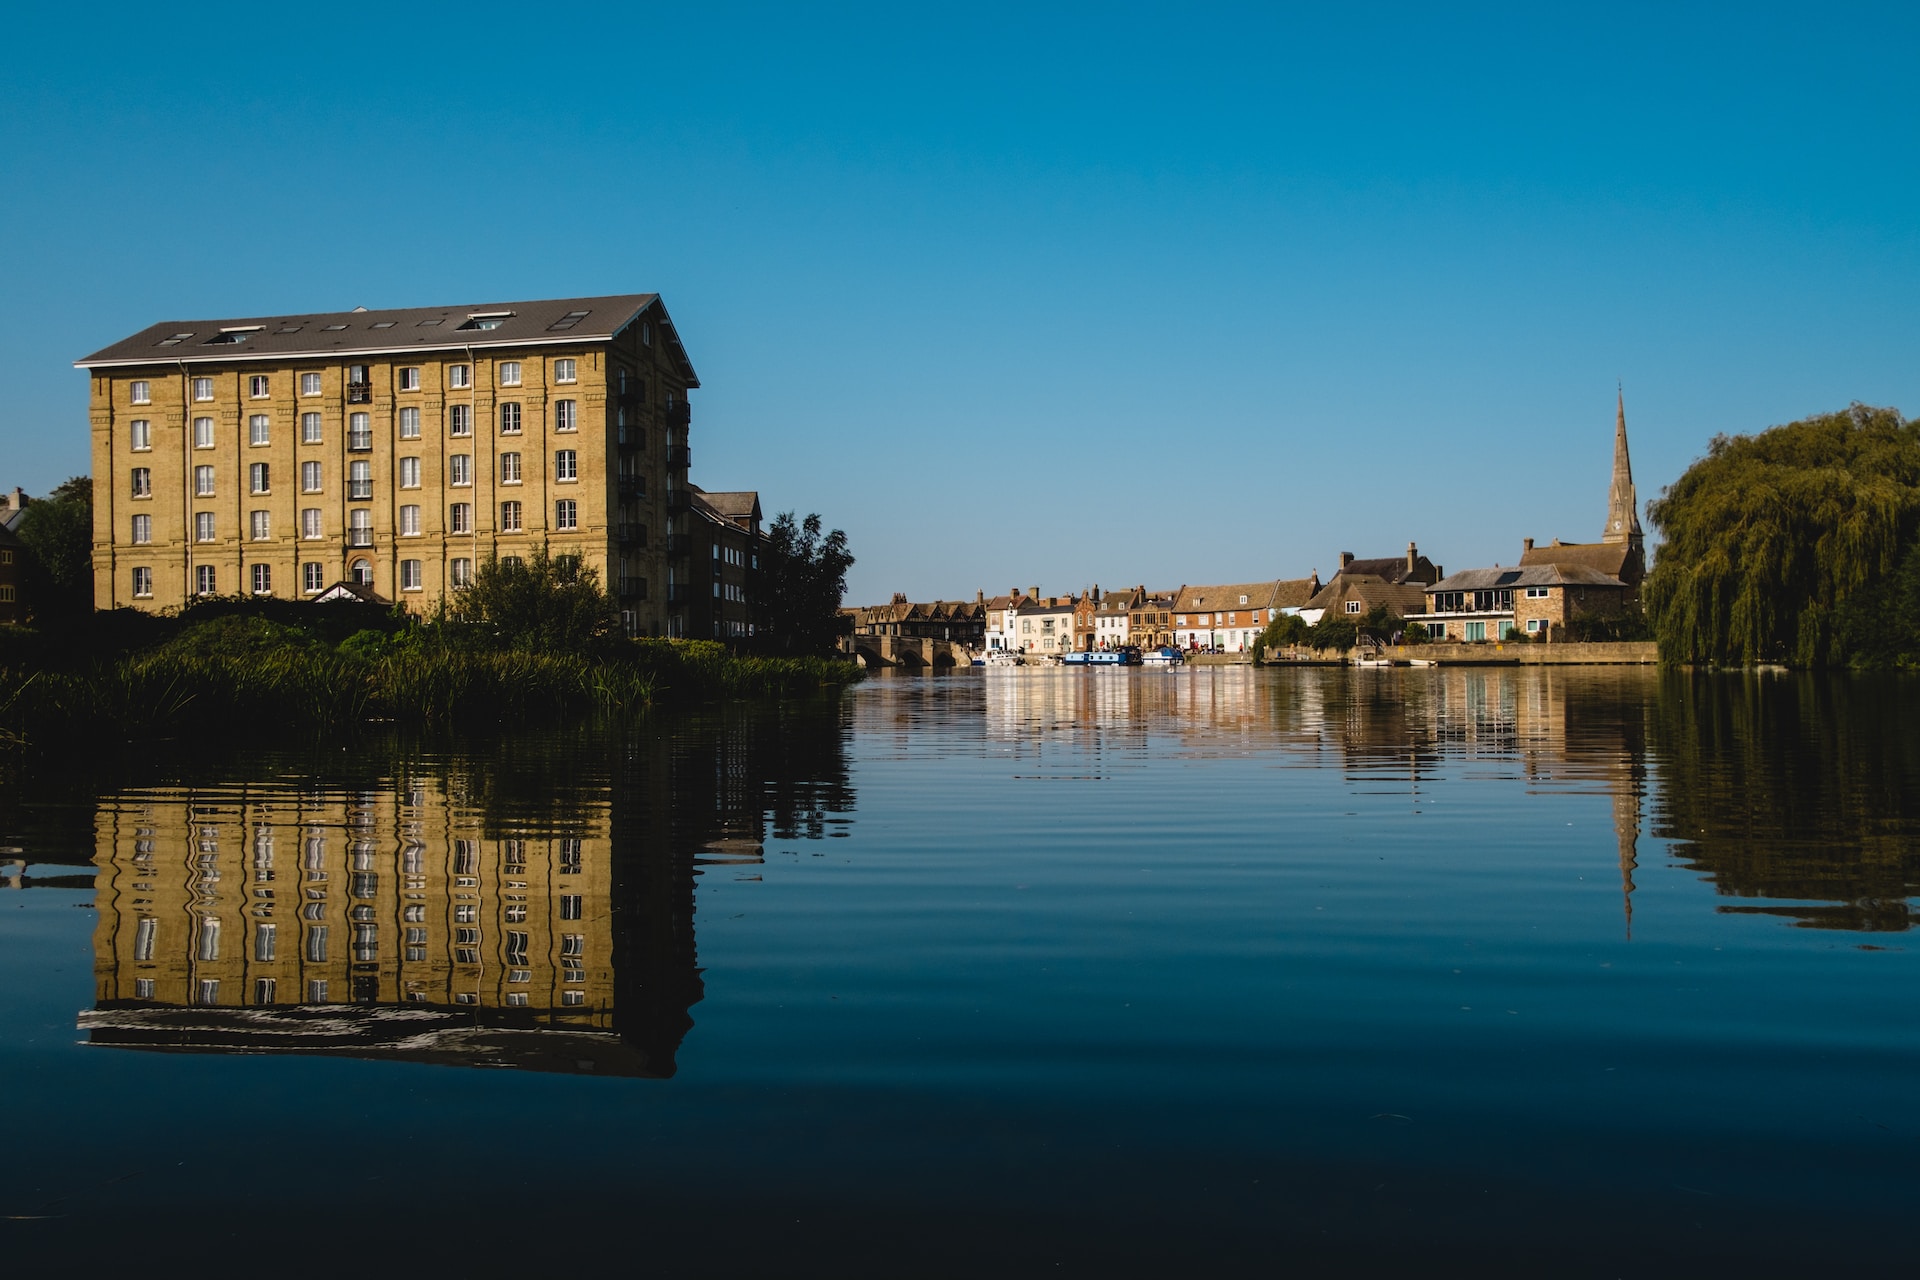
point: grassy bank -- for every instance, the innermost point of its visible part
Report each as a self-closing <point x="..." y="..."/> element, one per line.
<point x="237" y="673"/>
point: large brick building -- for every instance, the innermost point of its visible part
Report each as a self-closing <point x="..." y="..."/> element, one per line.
<point x="396" y="450"/>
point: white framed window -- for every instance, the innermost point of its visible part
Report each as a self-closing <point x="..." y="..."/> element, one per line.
<point x="461" y="571"/>
<point x="460" y="518"/>
<point x="203" y="433"/>
<point x="460" y="469"/>
<point x="203" y="388"/>
<point x="459" y="376"/>
<point x="312" y="577"/>
<point x="309" y="477"/>
<point x="142" y="529"/>
<point x="1353" y="606"/>
<point x="258" y="429"/>
<point x="409" y="473"/>
<point x="510" y="517"/>
<point x="566" y="415"/>
<point x="410" y="576"/>
<point x="410" y="521"/>
<point x="142" y="582"/>
<point x="203" y="528"/>
<point x="310" y="523"/>
<point x="140" y="435"/>
<point x="257" y="386"/>
<point x="460" y="420"/>
<point x="258" y="478"/>
<point x="509" y="373"/>
<point x="566" y="514"/>
<point x="259" y="526"/>
<point x="1536" y="625"/>
<point x="1539" y="593"/>
<point x="140" y="392"/>
<point x="509" y="468"/>
<point x="359" y="480"/>
<point x="205" y="582"/>
<point x="309" y="428"/>
<point x="510" y="418"/>
<point x="203" y="482"/>
<point x="359" y="431"/>
<point x="142" y="482"/>
<point x="309" y="384"/>
<point x="262" y="579"/>
<point x="565" y="371"/>
<point x="410" y="379"/>
<point x="410" y="423"/>
<point x="566" y="465"/>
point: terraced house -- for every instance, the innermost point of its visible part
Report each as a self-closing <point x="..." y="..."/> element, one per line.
<point x="394" y="450"/>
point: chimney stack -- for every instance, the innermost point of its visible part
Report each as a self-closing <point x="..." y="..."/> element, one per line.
<point x="1346" y="558"/>
<point x="1413" y="554"/>
<point x="1526" y="544"/>
<point x="979" y="597"/>
<point x="1034" y="592"/>
<point x="899" y="597"/>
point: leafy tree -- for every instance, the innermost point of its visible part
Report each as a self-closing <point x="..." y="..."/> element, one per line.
<point x="1416" y="633"/>
<point x="1286" y="629"/>
<point x="58" y="533"/>
<point x="542" y="602"/>
<point x="1334" y="631"/>
<point x="1773" y="540"/>
<point x="803" y="576"/>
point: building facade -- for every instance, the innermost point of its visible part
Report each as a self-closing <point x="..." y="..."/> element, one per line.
<point x="1396" y="583"/>
<point x="725" y="530"/>
<point x="1230" y="616"/>
<point x="394" y="449"/>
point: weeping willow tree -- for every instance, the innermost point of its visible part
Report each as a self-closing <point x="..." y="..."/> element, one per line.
<point x="1773" y="541"/>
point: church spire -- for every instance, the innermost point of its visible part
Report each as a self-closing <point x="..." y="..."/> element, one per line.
<point x="1623" y="506"/>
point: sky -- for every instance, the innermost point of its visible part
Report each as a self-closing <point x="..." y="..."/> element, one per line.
<point x="1030" y="294"/>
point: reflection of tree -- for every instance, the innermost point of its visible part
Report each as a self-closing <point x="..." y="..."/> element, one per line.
<point x="1796" y="787"/>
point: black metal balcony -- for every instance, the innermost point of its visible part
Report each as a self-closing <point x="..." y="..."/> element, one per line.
<point x="632" y="487"/>
<point x="359" y="537"/>
<point x="631" y="534"/>
<point x="359" y="393"/>
<point x="679" y="545"/>
<point x="679" y="457"/>
<point x="630" y="394"/>
<point x="679" y="415"/>
<point x="630" y="437"/>
<point x="679" y="500"/>
<point x="630" y="588"/>
<point x="679" y="593"/>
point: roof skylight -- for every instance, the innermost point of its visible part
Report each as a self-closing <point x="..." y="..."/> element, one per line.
<point x="567" y="321"/>
<point x="175" y="340"/>
<point x="486" y="319"/>
<point x="384" y="324"/>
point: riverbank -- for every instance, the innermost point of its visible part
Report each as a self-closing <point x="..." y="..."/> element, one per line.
<point x="185" y="688"/>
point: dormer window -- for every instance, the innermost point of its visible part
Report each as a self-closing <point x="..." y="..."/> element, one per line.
<point x="486" y="319"/>
<point x="234" y="336"/>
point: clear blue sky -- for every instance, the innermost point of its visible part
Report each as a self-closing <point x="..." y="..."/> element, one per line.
<point x="1030" y="294"/>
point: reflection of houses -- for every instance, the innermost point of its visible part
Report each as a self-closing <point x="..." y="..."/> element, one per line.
<point x="1397" y="584"/>
<point x="539" y="916"/>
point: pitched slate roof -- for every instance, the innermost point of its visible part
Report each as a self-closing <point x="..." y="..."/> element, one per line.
<point x="1536" y="575"/>
<point x="408" y="330"/>
<point x="736" y="504"/>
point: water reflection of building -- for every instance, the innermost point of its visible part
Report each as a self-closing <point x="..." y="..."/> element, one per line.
<point x="534" y="914"/>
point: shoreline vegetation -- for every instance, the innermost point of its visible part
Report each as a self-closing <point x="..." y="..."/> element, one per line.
<point x="331" y="670"/>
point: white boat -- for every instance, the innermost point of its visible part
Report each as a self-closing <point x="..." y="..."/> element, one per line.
<point x="1164" y="656"/>
<point x="997" y="658"/>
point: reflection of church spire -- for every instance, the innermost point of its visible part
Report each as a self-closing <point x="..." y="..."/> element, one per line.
<point x="1623" y="516"/>
<point x="1626" y="829"/>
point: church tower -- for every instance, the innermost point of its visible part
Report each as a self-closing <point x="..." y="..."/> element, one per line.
<point x="1623" y="507"/>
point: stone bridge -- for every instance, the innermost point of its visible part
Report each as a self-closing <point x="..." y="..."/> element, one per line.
<point x="909" y="652"/>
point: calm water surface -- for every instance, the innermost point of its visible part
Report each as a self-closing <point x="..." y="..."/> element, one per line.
<point x="1484" y="971"/>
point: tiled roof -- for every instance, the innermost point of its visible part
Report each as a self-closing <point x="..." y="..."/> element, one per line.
<point x="1401" y="597"/>
<point x="738" y="504"/>
<point x="1259" y="595"/>
<point x="1606" y="557"/>
<point x="407" y="330"/>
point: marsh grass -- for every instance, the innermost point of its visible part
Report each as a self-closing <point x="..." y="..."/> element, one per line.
<point x="191" y="687"/>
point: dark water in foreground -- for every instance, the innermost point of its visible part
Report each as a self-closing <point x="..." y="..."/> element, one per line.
<point x="1024" y="972"/>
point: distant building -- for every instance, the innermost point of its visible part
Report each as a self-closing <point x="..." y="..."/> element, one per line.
<point x="1044" y="624"/>
<point x="1397" y="583"/>
<point x="13" y="609"/>
<point x="1621" y="551"/>
<point x="1002" y="622"/>
<point x="725" y="531"/>
<point x="1231" y="616"/>
<point x="1112" y="617"/>
<point x="961" y="622"/>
